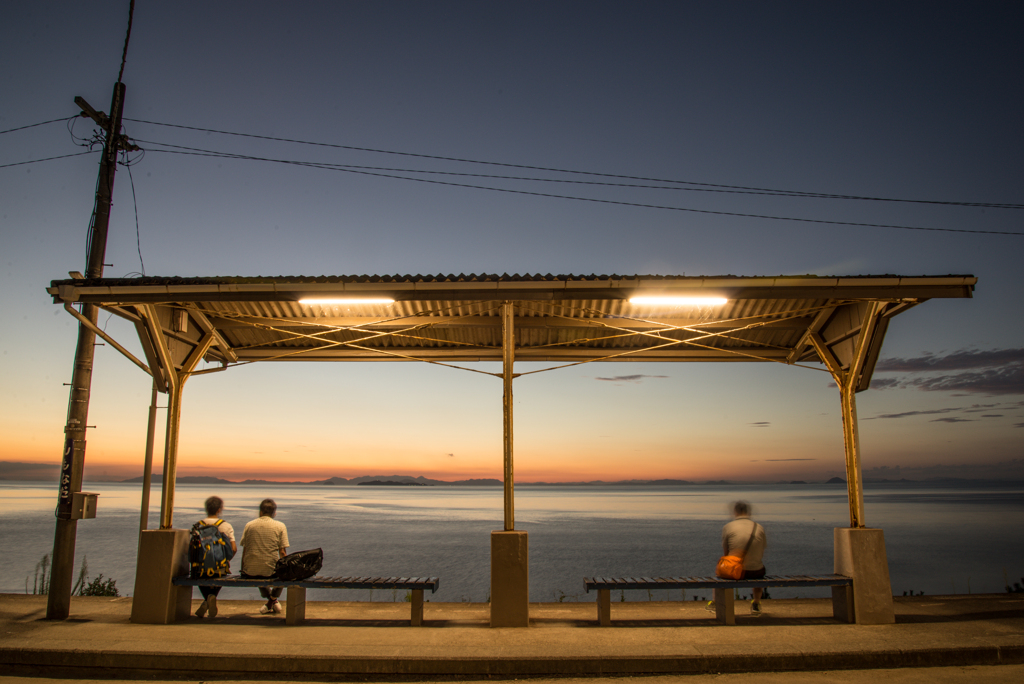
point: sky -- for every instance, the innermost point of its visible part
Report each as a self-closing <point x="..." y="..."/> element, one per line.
<point x="918" y="101"/>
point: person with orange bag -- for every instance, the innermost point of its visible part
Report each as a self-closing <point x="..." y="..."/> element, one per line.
<point x="746" y="539"/>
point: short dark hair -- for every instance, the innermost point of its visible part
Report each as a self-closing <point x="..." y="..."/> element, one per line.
<point x="741" y="508"/>
<point x="268" y="507"/>
<point x="214" y="505"/>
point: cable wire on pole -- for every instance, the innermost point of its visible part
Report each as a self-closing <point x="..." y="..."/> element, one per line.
<point x="752" y="190"/>
<point x="41" y="123"/>
<point x="36" y="161"/>
<point x="180" y="149"/>
<point x="138" y="237"/>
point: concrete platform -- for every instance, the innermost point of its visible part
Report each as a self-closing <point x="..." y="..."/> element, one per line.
<point x="344" y="640"/>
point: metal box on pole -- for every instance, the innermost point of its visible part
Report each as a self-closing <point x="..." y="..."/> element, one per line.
<point x="83" y="505"/>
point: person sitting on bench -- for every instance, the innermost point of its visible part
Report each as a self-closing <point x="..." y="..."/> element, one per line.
<point x="264" y="541"/>
<point x="214" y="509"/>
<point x="735" y="537"/>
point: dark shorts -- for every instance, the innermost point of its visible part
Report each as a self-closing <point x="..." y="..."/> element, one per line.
<point x="755" y="574"/>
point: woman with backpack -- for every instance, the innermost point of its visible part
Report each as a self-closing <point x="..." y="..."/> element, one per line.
<point x="222" y="533"/>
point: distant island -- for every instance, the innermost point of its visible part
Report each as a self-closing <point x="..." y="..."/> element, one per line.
<point x="387" y="480"/>
<point x="407" y="480"/>
<point x="19" y="471"/>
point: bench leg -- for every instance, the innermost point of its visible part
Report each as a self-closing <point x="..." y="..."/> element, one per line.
<point x="604" y="607"/>
<point x="417" y="608"/>
<point x="725" y="606"/>
<point x="842" y="604"/>
<point x="295" y="606"/>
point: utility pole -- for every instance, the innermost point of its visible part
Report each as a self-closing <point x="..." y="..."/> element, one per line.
<point x="58" y="604"/>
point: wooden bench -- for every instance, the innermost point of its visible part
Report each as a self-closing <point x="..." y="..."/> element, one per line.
<point x="295" y="602"/>
<point x="842" y="596"/>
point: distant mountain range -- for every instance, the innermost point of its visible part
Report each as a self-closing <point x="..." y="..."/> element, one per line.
<point x="408" y="480"/>
<point x="365" y="479"/>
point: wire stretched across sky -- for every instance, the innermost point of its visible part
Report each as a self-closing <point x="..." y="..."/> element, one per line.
<point x="36" y="161"/>
<point x="181" y="149"/>
<point x="41" y="123"/>
<point x="664" y="184"/>
<point x="734" y="188"/>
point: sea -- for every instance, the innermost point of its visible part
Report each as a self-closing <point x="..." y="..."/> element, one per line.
<point x="940" y="538"/>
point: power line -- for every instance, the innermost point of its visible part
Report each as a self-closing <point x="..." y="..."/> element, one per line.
<point x="735" y="188"/>
<point x="41" y="123"/>
<point x="138" y="236"/>
<point x="36" y="161"/>
<point x="180" y="149"/>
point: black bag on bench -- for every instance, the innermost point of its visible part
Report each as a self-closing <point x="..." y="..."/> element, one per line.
<point x="299" y="565"/>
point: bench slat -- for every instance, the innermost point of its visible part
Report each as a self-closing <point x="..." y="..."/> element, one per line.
<point x="713" y="582"/>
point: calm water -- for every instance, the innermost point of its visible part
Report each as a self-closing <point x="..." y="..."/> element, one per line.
<point x="940" y="540"/>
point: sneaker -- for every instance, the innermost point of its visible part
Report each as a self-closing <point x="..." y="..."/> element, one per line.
<point x="755" y="608"/>
<point x="265" y="608"/>
<point x="277" y="607"/>
<point x="201" y="610"/>
<point x="212" y="602"/>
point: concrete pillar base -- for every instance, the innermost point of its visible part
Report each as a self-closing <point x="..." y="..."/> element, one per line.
<point x="860" y="554"/>
<point x="510" y="579"/>
<point x="163" y="555"/>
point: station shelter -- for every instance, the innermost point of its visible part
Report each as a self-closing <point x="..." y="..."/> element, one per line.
<point x="835" y="324"/>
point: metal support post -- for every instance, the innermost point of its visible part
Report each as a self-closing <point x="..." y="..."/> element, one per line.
<point x="508" y="357"/>
<point x="848" y="381"/>
<point x="170" y="455"/>
<point x="58" y="602"/>
<point x="147" y="470"/>
<point x="851" y="442"/>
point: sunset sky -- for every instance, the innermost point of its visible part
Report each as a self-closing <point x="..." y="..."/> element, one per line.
<point x="917" y="101"/>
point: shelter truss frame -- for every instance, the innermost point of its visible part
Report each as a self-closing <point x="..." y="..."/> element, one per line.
<point x="833" y="325"/>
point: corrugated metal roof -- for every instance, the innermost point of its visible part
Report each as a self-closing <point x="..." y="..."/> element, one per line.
<point x="445" y="278"/>
<point x="557" y="318"/>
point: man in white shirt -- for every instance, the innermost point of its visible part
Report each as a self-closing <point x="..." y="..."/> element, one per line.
<point x="264" y="541"/>
<point x="735" y="537"/>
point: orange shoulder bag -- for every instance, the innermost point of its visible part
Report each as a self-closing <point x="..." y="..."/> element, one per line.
<point x="731" y="567"/>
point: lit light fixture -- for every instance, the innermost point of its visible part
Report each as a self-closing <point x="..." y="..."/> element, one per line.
<point x="678" y="301"/>
<point x="348" y="300"/>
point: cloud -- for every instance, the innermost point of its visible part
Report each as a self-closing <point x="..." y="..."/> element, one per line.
<point x="992" y="415"/>
<point x="630" y="378"/>
<point x="992" y="372"/>
<point x="780" y="460"/>
<point x="907" y="414"/>
<point x="961" y="360"/>
<point x="1020" y="425"/>
<point x="950" y="420"/>
<point x="1002" y="381"/>
<point x="760" y="424"/>
<point x="977" y="408"/>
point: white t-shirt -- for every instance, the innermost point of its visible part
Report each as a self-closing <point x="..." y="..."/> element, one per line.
<point x="735" y="536"/>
